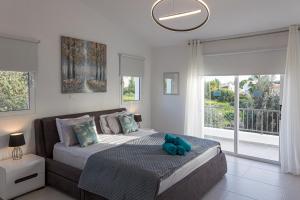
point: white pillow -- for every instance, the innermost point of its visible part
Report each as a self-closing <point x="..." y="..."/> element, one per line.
<point x="104" y="124"/>
<point x="60" y="123"/>
<point x="114" y="124"/>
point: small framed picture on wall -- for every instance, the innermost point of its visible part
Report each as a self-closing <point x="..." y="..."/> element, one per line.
<point x="171" y="83"/>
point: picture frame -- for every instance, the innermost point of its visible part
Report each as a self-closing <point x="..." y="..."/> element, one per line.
<point x="171" y="83"/>
<point x="83" y="66"/>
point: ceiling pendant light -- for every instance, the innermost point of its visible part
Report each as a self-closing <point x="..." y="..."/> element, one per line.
<point x="200" y="15"/>
<point x="180" y="15"/>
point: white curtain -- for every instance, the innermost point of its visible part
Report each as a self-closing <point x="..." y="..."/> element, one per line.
<point x="290" y="120"/>
<point x="194" y="106"/>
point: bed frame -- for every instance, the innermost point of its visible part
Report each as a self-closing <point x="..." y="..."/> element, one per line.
<point x="65" y="178"/>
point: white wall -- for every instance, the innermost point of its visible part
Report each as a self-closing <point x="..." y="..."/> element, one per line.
<point x="168" y="110"/>
<point x="255" y="55"/>
<point x="47" y="20"/>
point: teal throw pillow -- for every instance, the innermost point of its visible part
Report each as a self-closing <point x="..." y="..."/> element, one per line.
<point x="86" y="133"/>
<point x="128" y="124"/>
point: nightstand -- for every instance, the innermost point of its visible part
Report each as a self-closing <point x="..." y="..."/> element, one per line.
<point x="148" y="130"/>
<point x="18" y="177"/>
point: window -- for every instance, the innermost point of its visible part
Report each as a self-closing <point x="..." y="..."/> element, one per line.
<point x="131" y="73"/>
<point x="15" y="91"/>
<point x="131" y="88"/>
<point x="18" y="62"/>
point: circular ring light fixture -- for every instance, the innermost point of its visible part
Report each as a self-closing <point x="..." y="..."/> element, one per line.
<point x="180" y="15"/>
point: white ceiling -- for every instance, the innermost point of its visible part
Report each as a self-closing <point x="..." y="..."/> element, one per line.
<point x="228" y="17"/>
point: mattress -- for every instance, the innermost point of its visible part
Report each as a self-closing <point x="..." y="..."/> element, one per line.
<point x="77" y="157"/>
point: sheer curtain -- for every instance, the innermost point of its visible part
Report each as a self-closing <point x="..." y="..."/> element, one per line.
<point x="290" y="122"/>
<point x="194" y="106"/>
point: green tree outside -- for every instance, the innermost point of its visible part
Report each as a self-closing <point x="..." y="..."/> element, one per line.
<point x="261" y="93"/>
<point x="14" y="91"/>
<point x="129" y="91"/>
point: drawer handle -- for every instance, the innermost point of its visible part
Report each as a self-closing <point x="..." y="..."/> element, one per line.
<point x="26" y="178"/>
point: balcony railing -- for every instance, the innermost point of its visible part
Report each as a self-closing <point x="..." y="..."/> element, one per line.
<point x="261" y="121"/>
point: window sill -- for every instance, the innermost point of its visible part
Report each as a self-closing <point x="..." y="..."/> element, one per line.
<point x="17" y="113"/>
<point x="131" y="102"/>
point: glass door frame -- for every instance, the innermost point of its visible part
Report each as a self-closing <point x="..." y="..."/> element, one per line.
<point x="236" y="114"/>
<point x="237" y="127"/>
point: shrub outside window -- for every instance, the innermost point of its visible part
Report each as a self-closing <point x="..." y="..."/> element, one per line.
<point x="15" y="91"/>
<point x="131" y="88"/>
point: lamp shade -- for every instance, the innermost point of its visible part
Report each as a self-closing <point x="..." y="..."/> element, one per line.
<point x="16" y="140"/>
<point x="138" y="117"/>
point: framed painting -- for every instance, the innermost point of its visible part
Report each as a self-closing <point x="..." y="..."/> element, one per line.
<point x="83" y="66"/>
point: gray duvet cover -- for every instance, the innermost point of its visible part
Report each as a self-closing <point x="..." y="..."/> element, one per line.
<point x="134" y="170"/>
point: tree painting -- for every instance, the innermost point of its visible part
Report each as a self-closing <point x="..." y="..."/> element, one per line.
<point x="96" y="57"/>
<point x="83" y="66"/>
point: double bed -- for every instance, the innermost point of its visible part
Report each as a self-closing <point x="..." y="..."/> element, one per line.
<point x="64" y="165"/>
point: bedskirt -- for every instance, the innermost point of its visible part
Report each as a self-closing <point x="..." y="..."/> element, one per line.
<point x="192" y="187"/>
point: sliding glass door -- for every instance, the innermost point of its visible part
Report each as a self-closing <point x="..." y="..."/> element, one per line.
<point x="219" y="110"/>
<point x="243" y="114"/>
<point x="259" y="113"/>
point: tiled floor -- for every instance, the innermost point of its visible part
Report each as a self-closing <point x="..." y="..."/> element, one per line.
<point x="245" y="180"/>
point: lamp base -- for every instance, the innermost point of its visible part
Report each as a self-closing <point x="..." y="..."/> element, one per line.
<point x="17" y="153"/>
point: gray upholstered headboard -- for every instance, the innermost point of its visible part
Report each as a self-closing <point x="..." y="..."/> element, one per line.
<point x="46" y="135"/>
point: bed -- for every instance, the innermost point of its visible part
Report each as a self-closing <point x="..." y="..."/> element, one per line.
<point x="64" y="165"/>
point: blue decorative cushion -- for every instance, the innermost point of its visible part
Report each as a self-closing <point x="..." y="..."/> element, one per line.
<point x="128" y="124"/>
<point x="86" y="133"/>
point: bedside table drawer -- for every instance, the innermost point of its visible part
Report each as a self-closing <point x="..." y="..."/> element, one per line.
<point x="24" y="184"/>
<point x="18" y="177"/>
<point x="26" y="178"/>
<point x="19" y="174"/>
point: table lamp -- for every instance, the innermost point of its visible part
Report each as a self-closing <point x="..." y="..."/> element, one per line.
<point x="138" y="119"/>
<point x="17" y="140"/>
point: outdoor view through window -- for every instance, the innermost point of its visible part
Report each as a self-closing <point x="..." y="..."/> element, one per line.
<point x="259" y="113"/>
<point x="14" y="91"/>
<point x="131" y="88"/>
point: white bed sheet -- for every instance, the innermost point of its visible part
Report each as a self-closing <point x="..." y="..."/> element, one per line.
<point x="77" y="157"/>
